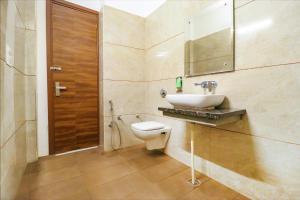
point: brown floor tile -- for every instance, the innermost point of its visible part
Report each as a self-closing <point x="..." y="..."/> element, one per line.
<point x="163" y="170"/>
<point x="128" y="174"/>
<point x="120" y="188"/>
<point x="51" y="163"/>
<point x="98" y="162"/>
<point x="241" y="197"/>
<point x="178" y="185"/>
<point x="62" y="190"/>
<point x="132" y="153"/>
<point x="46" y="178"/>
<point x="148" y="160"/>
<point x="97" y="176"/>
<point x="211" y="190"/>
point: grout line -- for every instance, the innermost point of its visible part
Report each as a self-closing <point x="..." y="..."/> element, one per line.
<point x="237" y="70"/>
<point x="14" y="133"/>
<point x="115" y="44"/>
<point x="166" y="40"/>
<point x="245" y="4"/>
<point x="268" y="66"/>
<point x="18" y="69"/>
<point x="123" y="80"/>
<point x="252" y="135"/>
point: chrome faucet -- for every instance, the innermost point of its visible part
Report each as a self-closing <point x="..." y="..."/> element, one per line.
<point x="208" y="85"/>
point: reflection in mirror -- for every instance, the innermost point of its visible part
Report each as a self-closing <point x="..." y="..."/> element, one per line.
<point x="209" y="39"/>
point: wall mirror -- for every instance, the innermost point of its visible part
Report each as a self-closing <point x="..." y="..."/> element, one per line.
<point x="209" y="39"/>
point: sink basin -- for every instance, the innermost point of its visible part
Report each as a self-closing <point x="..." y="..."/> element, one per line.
<point x="195" y="100"/>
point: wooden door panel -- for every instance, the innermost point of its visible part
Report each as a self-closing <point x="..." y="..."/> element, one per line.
<point x="74" y="42"/>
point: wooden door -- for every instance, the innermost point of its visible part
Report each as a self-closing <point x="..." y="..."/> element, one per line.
<point x="73" y="90"/>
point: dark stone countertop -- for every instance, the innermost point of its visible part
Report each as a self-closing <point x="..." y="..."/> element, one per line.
<point x="211" y="117"/>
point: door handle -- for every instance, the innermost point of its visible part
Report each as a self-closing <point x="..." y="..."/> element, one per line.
<point x="55" y="68"/>
<point x="58" y="88"/>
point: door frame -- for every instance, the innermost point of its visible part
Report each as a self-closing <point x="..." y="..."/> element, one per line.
<point x="51" y="135"/>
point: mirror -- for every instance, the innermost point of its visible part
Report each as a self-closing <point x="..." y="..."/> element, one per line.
<point x="209" y="39"/>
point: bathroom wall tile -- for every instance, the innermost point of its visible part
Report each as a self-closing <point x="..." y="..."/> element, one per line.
<point x="123" y="28"/>
<point x="262" y="167"/>
<point x="123" y="63"/>
<point x="152" y="97"/>
<point x="21" y="6"/>
<point x="240" y="3"/>
<point x="127" y="136"/>
<point x="31" y="140"/>
<point x="127" y="97"/>
<point x="30" y="12"/>
<point x="270" y="167"/>
<point x="268" y="104"/>
<point x="9" y="21"/>
<point x="163" y="23"/>
<point x="166" y="60"/>
<point x="21" y="146"/>
<point x="7" y="105"/>
<point x="30" y="52"/>
<point x="12" y="101"/>
<point x="19" y="49"/>
<point x="13" y="162"/>
<point x="19" y="99"/>
<point x="272" y="32"/>
<point x="30" y="97"/>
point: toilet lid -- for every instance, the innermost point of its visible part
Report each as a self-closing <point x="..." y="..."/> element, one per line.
<point x="148" y="126"/>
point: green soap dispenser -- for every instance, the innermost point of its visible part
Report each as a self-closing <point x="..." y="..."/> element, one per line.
<point x="179" y="84"/>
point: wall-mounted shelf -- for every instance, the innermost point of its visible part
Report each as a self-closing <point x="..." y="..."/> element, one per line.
<point x="213" y="117"/>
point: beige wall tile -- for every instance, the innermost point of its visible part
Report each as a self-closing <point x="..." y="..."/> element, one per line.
<point x="123" y="63"/>
<point x="240" y="3"/>
<point x="166" y="60"/>
<point x="268" y="104"/>
<point x="152" y="97"/>
<point x="123" y="28"/>
<point x="31" y="140"/>
<point x="7" y="102"/>
<point x="30" y="12"/>
<point x="270" y="37"/>
<point x="18" y="98"/>
<point x="127" y="137"/>
<point x="14" y="98"/>
<point x="13" y="163"/>
<point x="12" y="101"/>
<point x="30" y="97"/>
<point x="30" y="52"/>
<point x="167" y="21"/>
<point x="9" y="21"/>
<point x="19" y="49"/>
<point x="261" y="167"/>
<point x="127" y="97"/>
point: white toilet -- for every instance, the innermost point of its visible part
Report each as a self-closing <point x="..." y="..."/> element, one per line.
<point x="153" y="133"/>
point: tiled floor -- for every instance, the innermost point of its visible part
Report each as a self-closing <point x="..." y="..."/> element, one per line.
<point x="133" y="174"/>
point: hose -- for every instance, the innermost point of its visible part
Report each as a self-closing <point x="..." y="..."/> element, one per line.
<point x="111" y="125"/>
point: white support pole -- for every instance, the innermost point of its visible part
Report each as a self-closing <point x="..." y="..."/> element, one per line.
<point x="194" y="181"/>
<point x="192" y="157"/>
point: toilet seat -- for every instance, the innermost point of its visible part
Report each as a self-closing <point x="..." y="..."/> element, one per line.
<point x="155" y="134"/>
<point x="147" y="126"/>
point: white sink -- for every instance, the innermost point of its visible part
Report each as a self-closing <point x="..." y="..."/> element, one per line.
<point x="195" y="100"/>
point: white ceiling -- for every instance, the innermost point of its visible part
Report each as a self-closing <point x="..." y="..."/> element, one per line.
<point x="141" y="8"/>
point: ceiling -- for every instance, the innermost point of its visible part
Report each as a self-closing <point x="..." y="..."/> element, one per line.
<point x="141" y="8"/>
